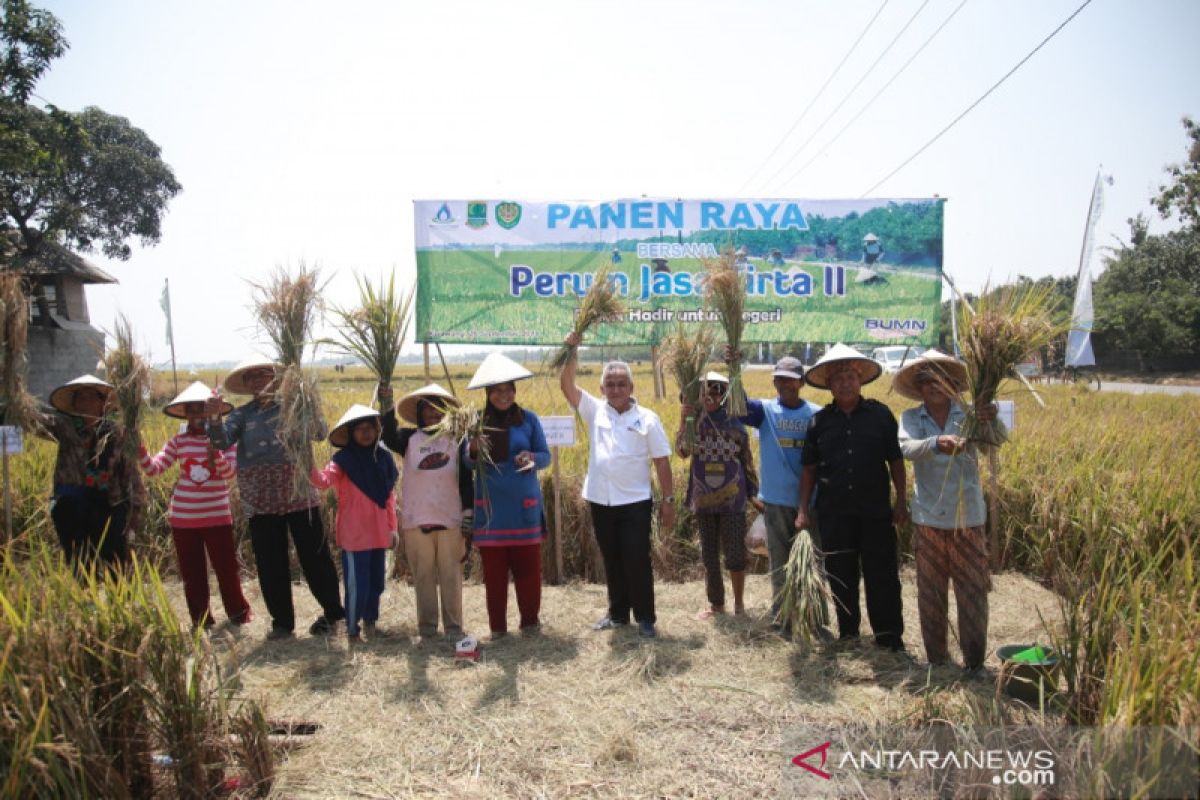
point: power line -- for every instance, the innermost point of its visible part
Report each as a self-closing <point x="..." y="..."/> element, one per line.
<point x="850" y="93"/>
<point x="817" y="97"/>
<point x="982" y="97"/>
<point x="875" y="97"/>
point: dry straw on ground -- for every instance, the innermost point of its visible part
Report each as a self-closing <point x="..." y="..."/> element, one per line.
<point x="725" y="293"/>
<point x="598" y="304"/>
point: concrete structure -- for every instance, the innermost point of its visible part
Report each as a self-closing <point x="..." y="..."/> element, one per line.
<point x="62" y="342"/>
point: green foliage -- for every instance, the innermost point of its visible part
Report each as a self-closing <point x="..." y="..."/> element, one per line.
<point x="30" y="39"/>
<point x="1182" y="194"/>
<point x="1148" y="299"/>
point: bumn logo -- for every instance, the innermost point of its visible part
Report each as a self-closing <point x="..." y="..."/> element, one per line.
<point x="802" y="760"/>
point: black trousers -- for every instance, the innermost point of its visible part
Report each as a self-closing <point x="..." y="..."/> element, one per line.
<point x="89" y="528"/>
<point x="623" y="533"/>
<point x="848" y="542"/>
<point x="269" y="539"/>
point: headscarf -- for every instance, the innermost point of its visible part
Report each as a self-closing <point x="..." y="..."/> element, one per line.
<point x="496" y="424"/>
<point x="372" y="469"/>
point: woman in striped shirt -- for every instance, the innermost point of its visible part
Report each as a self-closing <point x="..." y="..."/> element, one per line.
<point x="199" y="514"/>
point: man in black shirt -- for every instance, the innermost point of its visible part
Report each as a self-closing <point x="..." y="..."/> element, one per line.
<point x="850" y="453"/>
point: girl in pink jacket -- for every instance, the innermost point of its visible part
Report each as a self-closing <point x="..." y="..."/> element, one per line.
<point x="364" y="476"/>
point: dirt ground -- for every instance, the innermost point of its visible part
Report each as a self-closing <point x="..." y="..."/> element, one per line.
<point x="703" y="711"/>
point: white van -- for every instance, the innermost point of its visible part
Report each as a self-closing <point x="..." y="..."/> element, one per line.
<point x="895" y="356"/>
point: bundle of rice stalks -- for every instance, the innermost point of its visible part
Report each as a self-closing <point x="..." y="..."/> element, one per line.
<point x="725" y="293"/>
<point x="374" y="331"/>
<point x="685" y="355"/>
<point x="599" y="303"/>
<point x="17" y="406"/>
<point x="461" y="424"/>
<point x="287" y="308"/>
<point x="802" y="602"/>
<point x="130" y="376"/>
<point x="1006" y="327"/>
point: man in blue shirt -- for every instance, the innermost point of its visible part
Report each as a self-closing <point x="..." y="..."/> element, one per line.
<point x="782" y="423"/>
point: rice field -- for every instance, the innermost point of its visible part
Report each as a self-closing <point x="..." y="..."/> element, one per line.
<point x="1098" y="509"/>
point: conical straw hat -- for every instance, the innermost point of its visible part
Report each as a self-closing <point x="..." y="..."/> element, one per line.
<point x="868" y="368"/>
<point x="945" y="367"/>
<point x="340" y="435"/>
<point x="63" y="398"/>
<point x="407" y="407"/>
<point x="497" y="368"/>
<point x="235" y="381"/>
<point x="198" y="392"/>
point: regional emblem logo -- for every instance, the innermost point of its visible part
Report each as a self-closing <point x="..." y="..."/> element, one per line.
<point x="476" y="214"/>
<point x="508" y="214"/>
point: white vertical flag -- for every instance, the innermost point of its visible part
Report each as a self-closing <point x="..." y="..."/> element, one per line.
<point x="1079" y="339"/>
<point x="165" y="302"/>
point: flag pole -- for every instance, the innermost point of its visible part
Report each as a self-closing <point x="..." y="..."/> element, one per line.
<point x="166" y="298"/>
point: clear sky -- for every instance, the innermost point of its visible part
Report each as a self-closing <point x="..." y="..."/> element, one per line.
<point x="304" y="130"/>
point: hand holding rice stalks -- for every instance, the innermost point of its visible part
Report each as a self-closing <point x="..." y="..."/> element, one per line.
<point x="18" y="407"/>
<point x="1007" y="325"/>
<point x="685" y="355"/>
<point x="599" y="303"/>
<point x="725" y="293"/>
<point x="287" y="308"/>
<point x="130" y="376"/>
<point x="374" y="332"/>
<point x="802" y="603"/>
<point x="463" y="424"/>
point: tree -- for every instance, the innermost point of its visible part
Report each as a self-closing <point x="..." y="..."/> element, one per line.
<point x="88" y="180"/>
<point x="31" y="39"/>
<point x="1182" y="194"/>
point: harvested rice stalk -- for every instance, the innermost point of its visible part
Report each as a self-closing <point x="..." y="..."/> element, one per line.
<point x="17" y="407"/>
<point x="130" y="376"/>
<point x="1007" y="326"/>
<point x="685" y="354"/>
<point x="725" y="293"/>
<point x="375" y="330"/>
<point x="599" y="303"/>
<point x="462" y="424"/>
<point x="802" y="602"/>
<point x="287" y="309"/>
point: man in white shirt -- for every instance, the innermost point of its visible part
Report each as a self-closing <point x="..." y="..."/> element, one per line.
<point x="624" y="438"/>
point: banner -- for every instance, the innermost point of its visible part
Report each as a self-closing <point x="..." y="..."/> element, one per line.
<point x="512" y="271"/>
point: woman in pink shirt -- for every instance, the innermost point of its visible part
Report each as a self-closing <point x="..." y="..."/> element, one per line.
<point x="363" y="473"/>
<point x="199" y="513"/>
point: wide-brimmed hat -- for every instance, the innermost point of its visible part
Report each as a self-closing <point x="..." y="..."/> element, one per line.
<point x="944" y="367"/>
<point x="340" y="435"/>
<point x="868" y="368"/>
<point x="235" y="381"/>
<point x="789" y="367"/>
<point x="63" y="398"/>
<point x="407" y="407"/>
<point x="497" y="368"/>
<point x="198" y="392"/>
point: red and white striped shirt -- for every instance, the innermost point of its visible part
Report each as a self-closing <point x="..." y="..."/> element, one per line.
<point x="201" y="497"/>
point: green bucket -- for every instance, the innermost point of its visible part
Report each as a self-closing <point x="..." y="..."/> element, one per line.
<point x="1028" y="672"/>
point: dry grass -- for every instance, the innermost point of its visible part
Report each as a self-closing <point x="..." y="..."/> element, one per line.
<point x="287" y="309"/>
<point x="701" y="712"/>
<point x="804" y="605"/>
<point x="17" y="406"/>
<point x="130" y="376"/>
<point x="725" y="293"/>
<point x="598" y="304"/>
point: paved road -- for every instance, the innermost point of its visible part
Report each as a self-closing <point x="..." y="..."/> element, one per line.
<point x="1147" y="388"/>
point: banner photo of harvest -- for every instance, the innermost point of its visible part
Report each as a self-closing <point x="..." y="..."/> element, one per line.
<point x="514" y="271"/>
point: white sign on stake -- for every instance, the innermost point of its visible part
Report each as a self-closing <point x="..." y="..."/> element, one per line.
<point x="11" y="436"/>
<point x="1007" y="413"/>
<point x="560" y="431"/>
